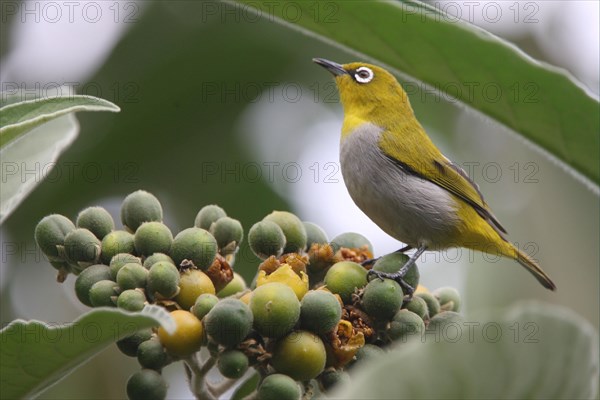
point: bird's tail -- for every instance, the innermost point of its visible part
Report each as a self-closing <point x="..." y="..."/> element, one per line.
<point x="533" y="268"/>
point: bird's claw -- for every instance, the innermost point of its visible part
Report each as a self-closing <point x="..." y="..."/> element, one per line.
<point x="406" y="288"/>
<point x="399" y="278"/>
<point x="371" y="274"/>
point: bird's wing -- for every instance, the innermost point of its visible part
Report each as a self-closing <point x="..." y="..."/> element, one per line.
<point x="433" y="166"/>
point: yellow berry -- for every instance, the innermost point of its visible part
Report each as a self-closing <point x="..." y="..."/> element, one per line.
<point x="192" y="284"/>
<point x="187" y="337"/>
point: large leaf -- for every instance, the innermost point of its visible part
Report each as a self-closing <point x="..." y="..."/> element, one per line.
<point x="534" y="352"/>
<point x="544" y="104"/>
<point x="35" y="355"/>
<point x="31" y="158"/>
<point x="17" y="118"/>
<point x="33" y="134"/>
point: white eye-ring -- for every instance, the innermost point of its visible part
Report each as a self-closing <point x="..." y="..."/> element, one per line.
<point x="364" y="75"/>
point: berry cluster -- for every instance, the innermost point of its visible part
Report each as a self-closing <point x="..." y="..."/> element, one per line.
<point x="310" y="315"/>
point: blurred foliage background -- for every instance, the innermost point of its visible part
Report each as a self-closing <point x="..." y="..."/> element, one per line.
<point x="219" y="106"/>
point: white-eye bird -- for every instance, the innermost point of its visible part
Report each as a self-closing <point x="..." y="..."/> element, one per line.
<point x="401" y="180"/>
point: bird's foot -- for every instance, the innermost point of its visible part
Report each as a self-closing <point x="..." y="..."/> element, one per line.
<point x="396" y="276"/>
<point x="374" y="260"/>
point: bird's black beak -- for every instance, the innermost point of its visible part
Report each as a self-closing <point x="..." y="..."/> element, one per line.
<point x="335" y="68"/>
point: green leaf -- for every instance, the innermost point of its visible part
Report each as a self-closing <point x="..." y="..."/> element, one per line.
<point x="33" y="134"/>
<point x="35" y="355"/>
<point x="533" y="351"/>
<point x="459" y="60"/>
<point x="29" y="160"/>
<point x="17" y="118"/>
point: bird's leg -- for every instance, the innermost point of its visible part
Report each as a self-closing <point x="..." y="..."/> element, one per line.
<point x="372" y="260"/>
<point x="399" y="275"/>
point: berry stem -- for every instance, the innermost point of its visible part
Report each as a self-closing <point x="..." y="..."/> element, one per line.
<point x="198" y="372"/>
<point x="218" y="389"/>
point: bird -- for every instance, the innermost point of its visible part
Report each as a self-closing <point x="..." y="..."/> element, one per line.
<point x="398" y="177"/>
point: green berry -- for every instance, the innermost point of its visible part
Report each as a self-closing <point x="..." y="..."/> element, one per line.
<point x="433" y="305"/>
<point x="86" y="280"/>
<point x="278" y="387"/>
<point x="266" y="239"/>
<point x="156" y="257"/>
<point x="439" y="321"/>
<point x="320" y="311"/>
<point x="51" y="232"/>
<point x="228" y="233"/>
<point x="146" y="384"/>
<point x="300" y="355"/>
<point x="382" y="298"/>
<point x="276" y="309"/>
<point x="152" y="237"/>
<point x="132" y="276"/>
<point x="368" y="352"/>
<point x="332" y="377"/>
<point x="344" y="278"/>
<point x="404" y="325"/>
<point x="204" y="303"/>
<point x="82" y="247"/>
<point x="115" y="243"/>
<point x="236" y="285"/>
<point x="152" y="355"/>
<point x="104" y="294"/>
<point x="139" y="207"/>
<point x="97" y="220"/>
<point x="132" y="300"/>
<point x="163" y="280"/>
<point x="314" y="234"/>
<point x="392" y="262"/>
<point x="130" y="344"/>
<point x="350" y="240"/>
<point x="229" y="322"/>
<point x="293" y="229"/>
<point x="449" y="298"/>
<point x="118" y="260"/>
<point x="232" y="364"/>
<point x="195" y="245"/>
<point x="208" y="215"/>
<point x="419" y="307"/>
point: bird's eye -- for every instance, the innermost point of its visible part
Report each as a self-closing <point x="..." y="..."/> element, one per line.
<point x="363" y="75"/>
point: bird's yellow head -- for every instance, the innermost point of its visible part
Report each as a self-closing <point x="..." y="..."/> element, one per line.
<point x="368" y="92"/>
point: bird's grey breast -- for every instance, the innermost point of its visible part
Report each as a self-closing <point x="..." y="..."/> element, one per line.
<point x="407" y="207"/>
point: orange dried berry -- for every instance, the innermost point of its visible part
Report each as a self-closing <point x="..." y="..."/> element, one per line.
<point x="321" y="257"/>
<point x="220" y="273"/>
<point x="269" y="265"/>
<point x="357" y="254"/>
<point x="342" y="344"/>
<point x="359" y="320"/>
<point x="296" y="261"/>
